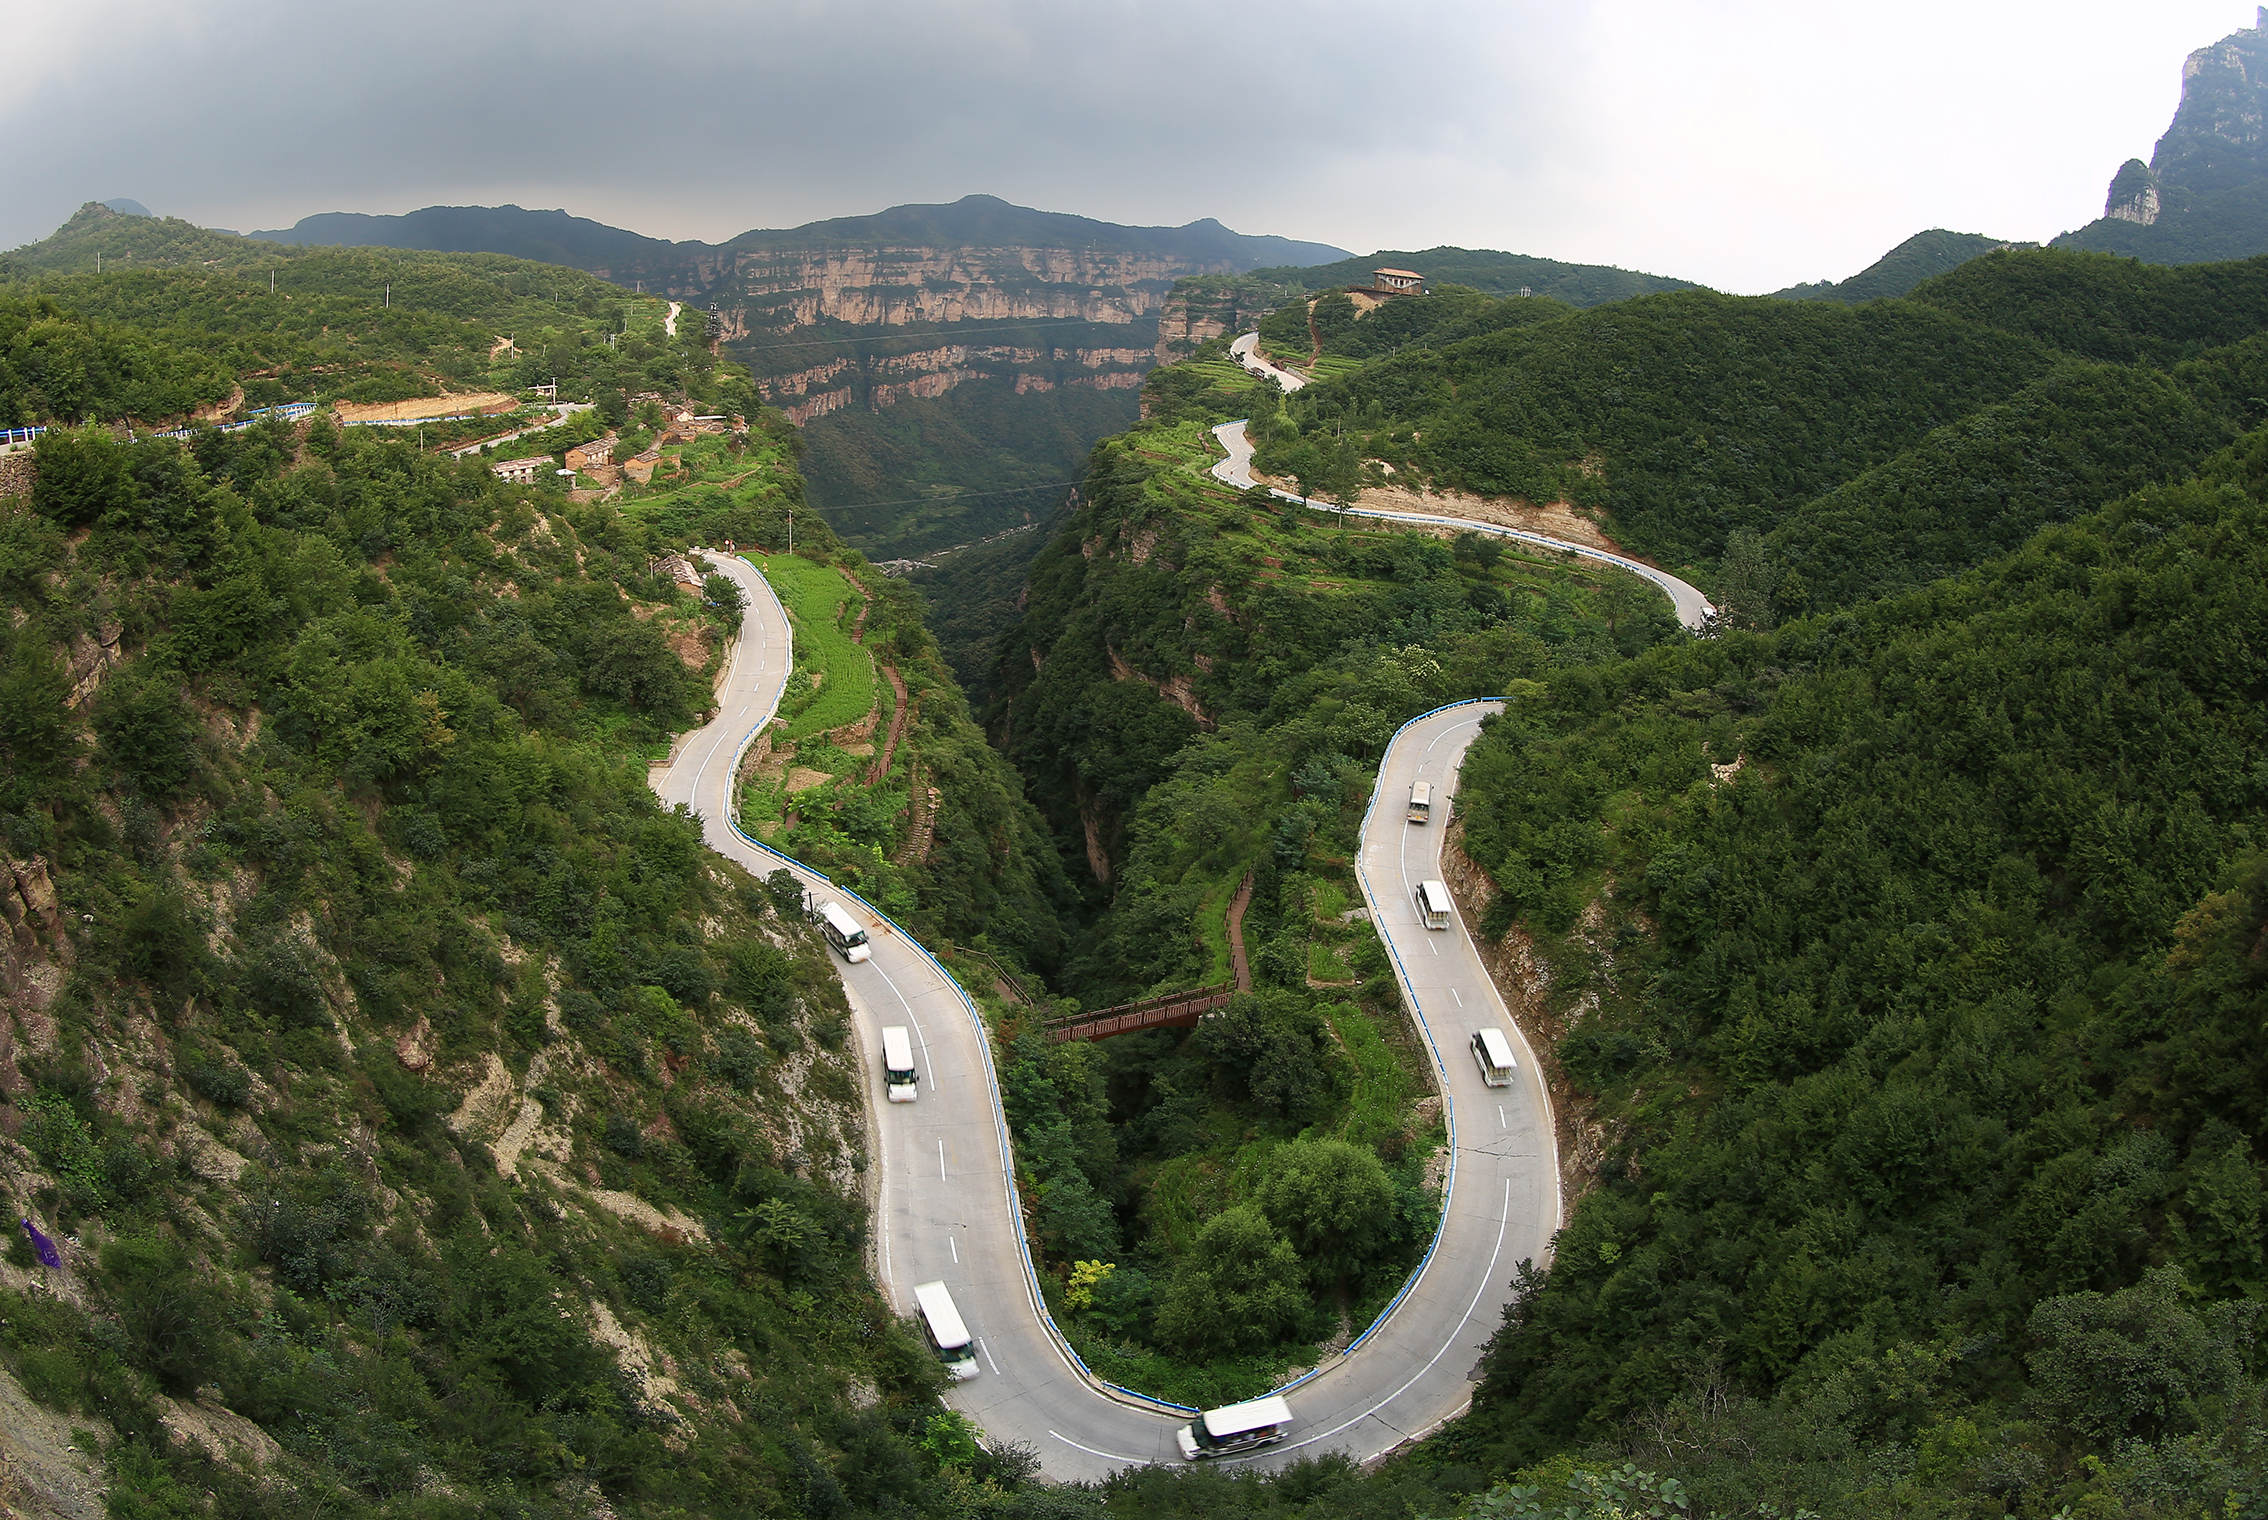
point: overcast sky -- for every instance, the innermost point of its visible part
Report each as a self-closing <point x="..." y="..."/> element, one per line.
<point x="1747" y="144"/>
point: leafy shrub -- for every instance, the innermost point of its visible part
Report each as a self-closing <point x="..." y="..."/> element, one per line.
<point x="276" y="975"/>
<point x="1237" y="1288"/>
<point x="174" y="1319"/>
<point x="218" y="1081"/>
<point x="624" y="1137"/>
<point x="146" y="730"/>
<point x="308" y="1227"/>
<point x="739" y="1058"/>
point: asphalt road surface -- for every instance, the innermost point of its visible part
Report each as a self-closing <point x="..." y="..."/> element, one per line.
<point x="1242" y="352"/>
<point x="944" y="1206"/>
<point x="1693" y="609"/>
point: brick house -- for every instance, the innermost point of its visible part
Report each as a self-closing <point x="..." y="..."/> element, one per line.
<point x="520" y="472"/>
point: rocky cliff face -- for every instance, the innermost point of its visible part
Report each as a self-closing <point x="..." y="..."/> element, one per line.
<point x="880" y="380"/>
<point x="2133" y="194"/>
<point x="2204" y="192"/>
<point x="2216" y="142"/>
<point x="767" y="303"/>
<point x="1203" y="308"/>
<point x="780" y="293"/>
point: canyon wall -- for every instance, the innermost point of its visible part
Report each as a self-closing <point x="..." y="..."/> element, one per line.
<point x="879" y="380"/>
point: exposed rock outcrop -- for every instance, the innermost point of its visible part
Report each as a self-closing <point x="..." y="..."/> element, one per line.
<point x="2133" y="194"/>
<point x="886" y="379"/>
<point x="38" y="946"/>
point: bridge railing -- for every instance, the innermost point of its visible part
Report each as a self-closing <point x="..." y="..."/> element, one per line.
<point x="1160" y="1012"/>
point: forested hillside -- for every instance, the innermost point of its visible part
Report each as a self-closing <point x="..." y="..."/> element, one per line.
<point x="1897" y="272"/>
<point x="160" y="334"/>
<point x="388" y="1069"/>
<point x="1902" y="938"/>
<point x="1928" y="1038"/>
<point x="418" y="1116"/>
<point x="1865" y="448"/>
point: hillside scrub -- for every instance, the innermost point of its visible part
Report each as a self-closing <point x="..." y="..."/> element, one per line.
<point x="1706" y="410"/>
<point x="151" y="341"/>
<point x="391" y="1064"/>
<point x="1873" y="448"/>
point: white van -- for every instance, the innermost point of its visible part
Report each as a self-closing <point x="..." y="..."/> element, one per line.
<point x="1433" y="906"/>
<point x="900" y="1082"/>
<point x="843" y="933"/>
<point x="947" y="1336"/>
<point x="1493" y="1053"/>
<point x="1421" y="801"/>
<point x="1238" y="1427"/>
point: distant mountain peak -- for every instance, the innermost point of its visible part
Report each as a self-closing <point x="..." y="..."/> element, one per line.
<point x="2204" y="193"/>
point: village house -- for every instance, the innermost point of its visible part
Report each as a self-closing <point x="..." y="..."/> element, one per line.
<point x="641" y="468"/>
<point x="520" y="472"/>
<point x="599" y="451"/>
<point x="1397" y="281"/>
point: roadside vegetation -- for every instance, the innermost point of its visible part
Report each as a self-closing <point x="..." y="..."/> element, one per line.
<point x="970" y="863"/>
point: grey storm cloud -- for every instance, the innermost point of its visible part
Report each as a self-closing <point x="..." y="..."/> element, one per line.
<point x="699" y="119"/>
<point x="1747" y="143"/>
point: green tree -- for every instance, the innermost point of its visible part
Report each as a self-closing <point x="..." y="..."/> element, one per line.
<point x="773" y="1228"/>
<point x="1746" y="583"/>
<point x="1238" y="1287"/>
<point x="1332" y="1199"/>
<point x="37" y="727"/>
<point x="175" y="1319"/>
<point x="2139" y="1361"/>
<point x="146" y="731"/>
<point x="82" y="473"/>
<point x="723" y="593"/>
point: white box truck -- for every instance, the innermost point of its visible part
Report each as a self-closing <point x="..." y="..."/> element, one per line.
<point x="1234" y="1428"/>
<point x="941" y="1326"/>
<point x="1434" y="910"/>
<point x="900" y="1082"/>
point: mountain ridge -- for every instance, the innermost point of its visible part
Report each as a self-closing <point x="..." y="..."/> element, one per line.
<point x="1920" y="257"/>
<point x="973" y="220"/>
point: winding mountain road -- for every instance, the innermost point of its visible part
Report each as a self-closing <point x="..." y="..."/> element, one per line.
<point x="945" y="1205"/>
<point x="1242" y="351"/>
<point x="1693" y="608"/>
